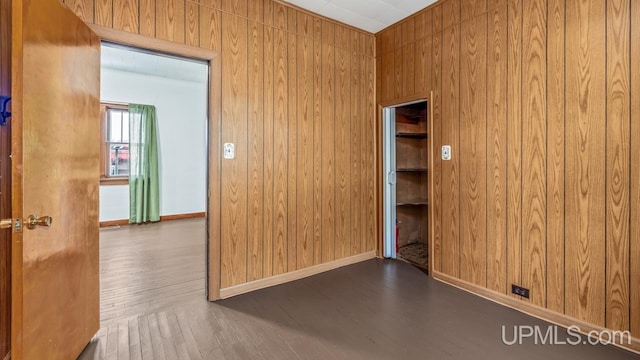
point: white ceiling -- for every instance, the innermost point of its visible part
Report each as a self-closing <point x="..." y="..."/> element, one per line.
<point x="134" y="61"/>
<point x="368" y="15"/>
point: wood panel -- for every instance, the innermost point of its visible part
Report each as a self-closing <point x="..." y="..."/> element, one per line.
<point x="408" y="84"/>
<point x="103" y="12"/>
<point x="422" y="71"/>
<point x="305" y="163"/>
<point x="210" y="28"/>
<point x="634" y="283"/>
<point x="82" y="8"/>
<point x="398" y="74"/>
<point x="343" y="153"/>
<point x="5" y="182"/>
<point x="234" y="171"/>
<point x="281" y="150"/>
<point x="328" y="151"/>
<point x="356" y="152"/>
<point x="469" y="9"/>
<point x="292" y="157"/>
<point x="436" y="136"/>
<point x="585" y="167"/>
<point x="318" y="234"/>
<point x="555" y="154"/>
<point x="497" y="150"/>
<point x="618" y="169"/>
<point x="450" y="105"/>
<point x="371" y="183"/>
<point x="473" y="151"/>
<point x="147" y="19"/>
<point x="192" y="24"/>
<point x="126" y="15"/>
<point x="237" y="7"/>
<point x="534" y="150"/>
<point x="255" y="124"/>
<point x="170" y="20"/>
<point x="514" y="144"/>
<point x="269" y="151"/>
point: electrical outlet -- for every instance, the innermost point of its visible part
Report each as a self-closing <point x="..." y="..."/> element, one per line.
<point x="229" y="151"/>
<point x="519" y="290"/>
<point x="446" y="152"/>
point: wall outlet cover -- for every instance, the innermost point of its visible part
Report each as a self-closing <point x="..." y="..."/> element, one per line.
<point x="229" y="151"/>
<point x="446" y="152"/>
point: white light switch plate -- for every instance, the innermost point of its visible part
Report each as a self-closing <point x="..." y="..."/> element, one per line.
<point x="229" y="151"/>
<point x="446" y="152"/>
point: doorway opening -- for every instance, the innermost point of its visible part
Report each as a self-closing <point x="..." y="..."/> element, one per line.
<point x="152" y="266"/>
<point x="406" y="205"/>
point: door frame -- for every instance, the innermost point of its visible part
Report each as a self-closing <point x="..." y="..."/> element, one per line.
<point x="214" y="134"/>
<point x="382" y="176"/>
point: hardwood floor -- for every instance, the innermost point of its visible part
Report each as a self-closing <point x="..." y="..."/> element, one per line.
<point x="378" y="309"/>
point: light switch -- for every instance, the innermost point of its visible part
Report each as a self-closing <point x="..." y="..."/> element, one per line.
<point x="229" y="151"/>
<point x="446" y="152"/>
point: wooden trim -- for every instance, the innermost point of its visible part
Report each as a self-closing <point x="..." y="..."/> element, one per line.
<point x="146" y="42"/>
<point x="114" y="223"/>
<point x="322" y="17"/>
<point x="215" y="120"/>
<point x="531" y="309"/>
<point x="430" y="182"/>
<point x="162" y="218"/>
<point x="294" y="275"/>
<point x="114" y="181"/>
<point x="183" y="216"/>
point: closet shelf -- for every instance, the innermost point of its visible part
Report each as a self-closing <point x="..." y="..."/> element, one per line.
<point x="412" y="135"/>
<point x="411" y="169"/>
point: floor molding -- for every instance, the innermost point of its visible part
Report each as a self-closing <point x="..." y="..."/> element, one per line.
<point x="162" y="218"/>
<point x="530" y="309"/>
<point x="294" y="275"/>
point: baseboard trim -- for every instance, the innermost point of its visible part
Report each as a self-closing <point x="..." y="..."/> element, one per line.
<point x="162" y="218"/>
<point x="294" y="275"/>
<point x="530" y="309"/>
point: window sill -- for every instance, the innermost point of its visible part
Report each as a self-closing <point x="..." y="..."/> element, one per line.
<point x="114" y="181"/>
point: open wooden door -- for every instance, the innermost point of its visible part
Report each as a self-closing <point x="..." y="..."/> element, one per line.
<point x="55" y="172"/>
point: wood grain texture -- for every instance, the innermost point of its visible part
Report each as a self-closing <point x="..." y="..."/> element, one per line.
<point x="82" y="8"/>
<point x="210" y="28"/>
<point x="534" y="150"/>
<point x="5" y="182"/>
<point x="317" y="148"/>
<point x="255" y="136"/>
<point x="292" y="157"/>
<point x="371" y="139"/>
<point x="269" y="8"/>
<point x="585" y="167"/>
<point x="103" y="12"/>
<point x="343" y="153"/>
<point x="423" y="64"/>
<point x="436" y="137"/>
<point x="170" y="20"/>
<point x="126" y="15"/>
<point x="497" y="150"/>
<point x="473" y="151"/>
<point x="618" y="178"/>
<point x="269" y="151"/>
<point x="305" y="24"/>
<point x="292" y="20"/>
<point x="356" y="151"/>
<point x="305" y="151"/>
<point x="514" y="144"/>
<point x="281" y="150"/>
<point x="387" y="82"/>
<point x="424" y="23"/>
<point x="192" y="24"/>
<point x="328" y="152"/>
<point x="408" y="28"/>
<point x="234" y="130"/>
<point x="237" y="7"/>
<point x="555" y="154"/>
<point x="255" y="11"/>
<point x="147" y="21"/>
<point x="398" y="74"/>
<point x="469" y="9"/>
<point x="450" y="105"/>
<point x="634" y="283"/>
<point x="280" y="16"/>
<point x="408" y="85"/>
<point x="451" y="13"/>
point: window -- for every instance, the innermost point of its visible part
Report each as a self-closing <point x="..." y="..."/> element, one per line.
<point x="115" y="144"/>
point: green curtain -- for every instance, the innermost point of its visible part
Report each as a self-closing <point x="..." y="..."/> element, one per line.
<point x="144" y="189"/>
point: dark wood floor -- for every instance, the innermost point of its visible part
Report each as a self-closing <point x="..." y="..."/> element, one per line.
<point x="379" y="309"/>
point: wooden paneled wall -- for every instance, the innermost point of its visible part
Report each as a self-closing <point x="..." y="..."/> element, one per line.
<point x="539" y="101"/>
<point x="5" y="182"/>
<point x="298" y="102"/>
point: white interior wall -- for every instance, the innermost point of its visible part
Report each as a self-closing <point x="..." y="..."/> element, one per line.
<point x="181" y="108"/>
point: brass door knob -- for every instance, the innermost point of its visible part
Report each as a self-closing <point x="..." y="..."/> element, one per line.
<point x="34" y="221"/>
<point x="6" y="223"/>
